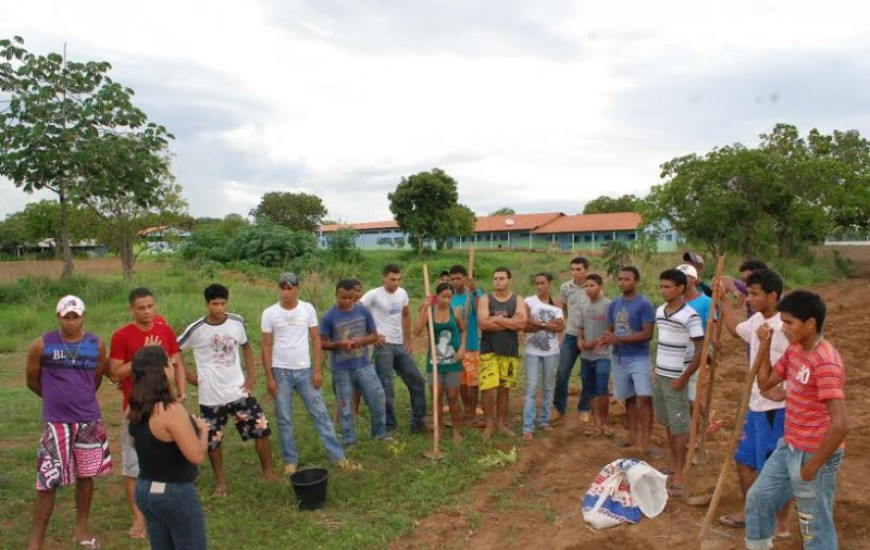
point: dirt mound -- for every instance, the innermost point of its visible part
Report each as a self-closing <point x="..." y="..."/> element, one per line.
<point x="536" y="503"/>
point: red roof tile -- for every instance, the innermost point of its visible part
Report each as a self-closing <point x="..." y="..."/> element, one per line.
<point x="584" y="223"/>
<point x="514" y="222"/>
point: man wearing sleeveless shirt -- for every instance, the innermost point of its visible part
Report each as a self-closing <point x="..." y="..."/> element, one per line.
<point x="501" y="317"/>
<point x="65" y="368"/>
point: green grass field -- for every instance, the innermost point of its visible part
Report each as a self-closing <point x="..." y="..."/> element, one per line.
<point x="365" y="510"/>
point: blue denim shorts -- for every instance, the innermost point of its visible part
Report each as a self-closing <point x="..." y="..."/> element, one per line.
<point x="632" y="376"/>
<point x="761" y="431"/>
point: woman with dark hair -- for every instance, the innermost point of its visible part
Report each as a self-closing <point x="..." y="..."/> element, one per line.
<point x="448" y="325"/>
<point x="170" y="443"/>
<point x="546" y="322"/>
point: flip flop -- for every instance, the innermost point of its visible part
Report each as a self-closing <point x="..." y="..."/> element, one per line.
<point x="728" y="520"/>
<point x="654" y="454"/>
<point x="137" y="533"/>
<point x="91" y="543"/>
<point x="675" y="490"/>
<point x="623" y="443"/>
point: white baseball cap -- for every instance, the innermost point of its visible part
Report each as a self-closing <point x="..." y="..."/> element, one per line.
<point x="689" y="270"/>
<point x="70" y="304"/>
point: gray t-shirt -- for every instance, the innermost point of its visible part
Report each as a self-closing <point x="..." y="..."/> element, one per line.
<point x="593" y="319"/>
<point x="574" y="297"/>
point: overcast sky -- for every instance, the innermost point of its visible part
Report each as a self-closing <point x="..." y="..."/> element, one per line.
<point x="537" y="105"/>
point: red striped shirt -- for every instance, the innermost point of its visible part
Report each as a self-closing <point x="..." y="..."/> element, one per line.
<point x="813" y="377"/>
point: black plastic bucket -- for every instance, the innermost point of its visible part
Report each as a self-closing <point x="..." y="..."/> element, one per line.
<point x="309" y="485"/>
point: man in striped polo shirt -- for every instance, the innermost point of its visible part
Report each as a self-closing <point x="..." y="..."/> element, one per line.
<point x="808" y="457"/>
<point x="678" y="354"/>
<point x="65" y="368"/>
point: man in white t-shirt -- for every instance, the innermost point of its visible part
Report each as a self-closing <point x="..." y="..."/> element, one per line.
<point x="765" y="420"/>
<point x="290" y="336"/>
<point x="388" y="304"/>
<point x="678" y="355"/>
<point x="224" y="391"/>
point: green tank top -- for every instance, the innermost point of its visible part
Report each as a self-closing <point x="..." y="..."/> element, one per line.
<point x="448" y="338"/>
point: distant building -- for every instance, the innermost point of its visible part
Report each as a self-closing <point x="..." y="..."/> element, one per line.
<point x="553" y="230"/>
<point x="163" y="238"/>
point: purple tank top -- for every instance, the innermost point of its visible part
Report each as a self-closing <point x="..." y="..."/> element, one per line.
<point x="67" y="373"/>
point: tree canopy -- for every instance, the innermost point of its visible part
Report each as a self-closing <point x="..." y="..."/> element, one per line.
<point x="781" y="196"/>
<point x="607" y="205"/>
<point x="426" y="206"/>
<point x="296" y="211"/>
<point x="71" y="129"/>
<point x="504" y="211"/>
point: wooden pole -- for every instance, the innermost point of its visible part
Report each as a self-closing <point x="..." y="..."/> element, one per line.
<point x="470" y="278"/>
<point x="436" y="403"/>
<point x="708" y="399"/>
<point x="702" y="375"/>
<point x="729" y="456"/>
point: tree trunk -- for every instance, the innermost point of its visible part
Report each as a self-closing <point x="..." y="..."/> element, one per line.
<point x="127" y="258"/>
<point x="64" y="233"/>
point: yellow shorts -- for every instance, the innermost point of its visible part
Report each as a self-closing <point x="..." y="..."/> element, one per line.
<point x="498" y="371"/>
<point x="470" y="368"/>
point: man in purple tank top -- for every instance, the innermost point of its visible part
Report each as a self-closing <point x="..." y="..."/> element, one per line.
<point x="65" y="368"/>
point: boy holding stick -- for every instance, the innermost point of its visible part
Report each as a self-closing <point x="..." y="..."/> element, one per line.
<point x="808" y="457"/>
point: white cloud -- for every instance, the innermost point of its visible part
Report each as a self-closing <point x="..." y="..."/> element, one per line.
<point x="523" y="103"/>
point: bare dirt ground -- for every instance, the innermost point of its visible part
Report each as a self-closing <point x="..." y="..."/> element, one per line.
<point x="10" y="271"/>
<point x="536" y="503"/>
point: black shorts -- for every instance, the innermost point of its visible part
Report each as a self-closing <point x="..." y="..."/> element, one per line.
<point x="248" y="415"/>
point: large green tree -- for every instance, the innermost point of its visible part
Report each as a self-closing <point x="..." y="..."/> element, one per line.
<point x="503" y="211"/>
<point x="426" y="206"/>
<point x="58" y="127"/>
<point x="606" y="205"/>
<point x="40" y="222"/>
<point x="122" y="218"/>
<point x="296" y="211"/>
<point x="779" y="197"/>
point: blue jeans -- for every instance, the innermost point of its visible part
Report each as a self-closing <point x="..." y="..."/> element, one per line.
<point x="366" y="382"/>
<point x="568" y="354"/>
<point x="777" y="482"/>
<point x="173" y="515"/>
<point x="595" y="374"/>
<point x="300" y="380"/>
<point x="389" y="357"/>
<point x="535" y="365"/>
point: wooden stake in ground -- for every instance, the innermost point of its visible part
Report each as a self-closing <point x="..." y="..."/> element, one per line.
<point x="726" y="465"/>
<point x="470" y="278"/>
<point x="702" y="386"/>
<point x="708" y="399"/>
<point x="435" y="453"/>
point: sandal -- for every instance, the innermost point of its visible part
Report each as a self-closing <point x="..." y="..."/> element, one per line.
<point x="653" y="453"/>
<point x="675" y="490"/>
<point x="729" y="520"/>
<point x="137" y="533"/>
<point x="91" y="543"/>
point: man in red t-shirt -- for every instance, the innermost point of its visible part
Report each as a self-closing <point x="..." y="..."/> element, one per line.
<point x="808" y="457"/>
<point x="147" y="329"/>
